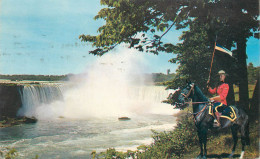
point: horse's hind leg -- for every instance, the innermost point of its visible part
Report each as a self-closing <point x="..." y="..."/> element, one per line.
<point x="244" y="135"/>
<point x="243" y="141"/>
<point x="234" y="129"/>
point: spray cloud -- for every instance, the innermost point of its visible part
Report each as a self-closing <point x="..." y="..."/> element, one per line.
<point x="114" y="86"/>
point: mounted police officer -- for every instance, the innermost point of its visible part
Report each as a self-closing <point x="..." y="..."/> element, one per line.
<point x="222" y="92"/>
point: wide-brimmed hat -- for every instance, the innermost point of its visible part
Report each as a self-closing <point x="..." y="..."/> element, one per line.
<point x="221" y="72"/>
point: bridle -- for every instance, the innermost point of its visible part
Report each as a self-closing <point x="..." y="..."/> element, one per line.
<point x="191" y="90"/>
<point x="192" y="85"/>
<point x="188" y="94"/>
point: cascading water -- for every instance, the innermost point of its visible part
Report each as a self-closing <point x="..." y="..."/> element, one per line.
<point x="90" y="106"/>
<point x="36" y="96"/>
<point x="115" y="86"/>
<point x="49" y="101"/>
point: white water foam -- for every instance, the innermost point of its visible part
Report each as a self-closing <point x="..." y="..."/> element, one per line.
<point x="36" y="96"/>
<point x="86" y="118"/>
<point x="113" y="87"/>
<point x="165" y="127"/>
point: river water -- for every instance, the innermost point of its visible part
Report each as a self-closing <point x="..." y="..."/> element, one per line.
<point x="80" y="116"/>
<point x="70" y="135"/>
<point x="63" y="138"/>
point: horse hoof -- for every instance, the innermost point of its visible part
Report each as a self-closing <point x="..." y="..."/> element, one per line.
<point x="231" y="155"/>
<point x="199" y="156"/>
<point x="204" y="157"/>
<point x="242" y="155"/>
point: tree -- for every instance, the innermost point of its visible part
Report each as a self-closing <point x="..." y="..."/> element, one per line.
<point x="253" y="73"/>
<point x="193" y="56"/>
<point x="254" y="105"/>
<point x="134" y="22"/>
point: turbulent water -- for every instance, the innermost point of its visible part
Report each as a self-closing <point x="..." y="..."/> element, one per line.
<point x="81" y="115"/>
<point x="77" y="137"/>
<point x="34" y="96"/>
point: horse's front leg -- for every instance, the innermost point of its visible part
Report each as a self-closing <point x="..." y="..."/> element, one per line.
<point x="202" y="133"/>
<point x="234" y="130"/>
<point x="201" y="143"/>
<point x="204" y="140"/>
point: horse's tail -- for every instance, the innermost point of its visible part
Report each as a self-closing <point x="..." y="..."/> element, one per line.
<point x="245" y="128"/>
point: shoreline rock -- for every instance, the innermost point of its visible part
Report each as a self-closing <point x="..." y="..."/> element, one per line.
<point x="8" y="122"/>
<point x="124" y="118"/>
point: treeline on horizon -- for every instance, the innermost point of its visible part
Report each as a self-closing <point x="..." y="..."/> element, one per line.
<point x="156" y="77"/>
<point x="253" y="75"/>
<point x="34" y="77"/>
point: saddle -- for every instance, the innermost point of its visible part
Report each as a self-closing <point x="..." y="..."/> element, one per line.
<point x="228" y="112"/>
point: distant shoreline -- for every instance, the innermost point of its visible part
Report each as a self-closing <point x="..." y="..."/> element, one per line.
<point x="156" y="78"/>
<point x="2" y="81"/>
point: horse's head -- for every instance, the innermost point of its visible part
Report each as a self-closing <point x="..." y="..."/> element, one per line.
<point x="178" y="98"/>
<point x="186" y="93"/>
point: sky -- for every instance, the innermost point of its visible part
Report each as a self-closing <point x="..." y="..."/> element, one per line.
<point x="41" y="37"/>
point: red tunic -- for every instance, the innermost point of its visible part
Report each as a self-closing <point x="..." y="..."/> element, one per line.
<point x="222" y="91"/>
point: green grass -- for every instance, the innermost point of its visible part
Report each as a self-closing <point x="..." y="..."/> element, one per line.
<point x="251" y="88"/>
<point x="222" y="143"/>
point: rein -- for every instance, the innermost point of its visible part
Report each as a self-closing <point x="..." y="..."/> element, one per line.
<point x="196" y="102"/>
<point x="188" y="94"/>
<point x="199" y="112"/>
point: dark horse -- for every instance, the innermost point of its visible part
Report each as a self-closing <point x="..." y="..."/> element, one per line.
<point x="204" y="121"/>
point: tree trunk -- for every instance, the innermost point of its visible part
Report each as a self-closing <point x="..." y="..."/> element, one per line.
<point x="254" y="104"/>
<point x="231" y="95"/>
<point x="243" y="79"/>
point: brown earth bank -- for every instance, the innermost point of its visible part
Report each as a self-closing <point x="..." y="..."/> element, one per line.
<point x="10" y="103"/>
<point x="10" y="100"/>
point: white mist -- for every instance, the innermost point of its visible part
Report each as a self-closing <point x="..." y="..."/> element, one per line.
<point x="113" y="87"/>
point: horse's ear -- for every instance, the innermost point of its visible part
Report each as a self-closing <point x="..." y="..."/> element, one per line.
<point x="188" y="81"/>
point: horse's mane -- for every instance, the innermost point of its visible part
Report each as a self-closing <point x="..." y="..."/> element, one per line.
<point x="200" y="95"/>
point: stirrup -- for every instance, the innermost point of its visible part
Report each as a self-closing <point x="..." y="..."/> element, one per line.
<point x="216" y="123"/>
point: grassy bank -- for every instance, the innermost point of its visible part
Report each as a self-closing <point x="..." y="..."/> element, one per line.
<point x="220" y="145"/>
<point x="251" y="88"/>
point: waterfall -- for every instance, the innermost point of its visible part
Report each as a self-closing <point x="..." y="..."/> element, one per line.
<point x="153" y="94"/>
<point x="46" y="101"/>
<point x="115" y="101"/>
<point x="148" y="99"/>
<point x="114" y="86"/>
<point x="36" y="96"/>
